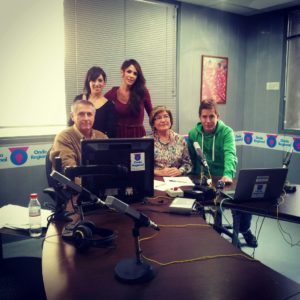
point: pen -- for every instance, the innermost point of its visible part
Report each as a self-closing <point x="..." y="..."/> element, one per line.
<point x="171" y="180"/>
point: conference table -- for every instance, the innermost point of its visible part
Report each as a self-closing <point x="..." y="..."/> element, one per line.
<point x="189" y="258"/>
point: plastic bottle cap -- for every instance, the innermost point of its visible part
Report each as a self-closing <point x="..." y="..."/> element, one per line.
<point x="34" y="195"/>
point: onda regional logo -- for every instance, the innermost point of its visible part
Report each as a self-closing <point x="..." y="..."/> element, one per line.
<point x="248" y="137"/>
<point x="271" y="140"/>
<point x="18" y="155"/>
<point x="137" y="161"/>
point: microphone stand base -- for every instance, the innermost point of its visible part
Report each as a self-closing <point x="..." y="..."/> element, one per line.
<point x="131" y="271"/>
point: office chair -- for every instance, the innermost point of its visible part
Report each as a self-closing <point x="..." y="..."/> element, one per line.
<point x="56" y="191"/>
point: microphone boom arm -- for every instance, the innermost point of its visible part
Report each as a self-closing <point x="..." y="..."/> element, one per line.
<point x="111" y="202"/>
<point x="78" y="189"/>
<point x="129" y="270"/>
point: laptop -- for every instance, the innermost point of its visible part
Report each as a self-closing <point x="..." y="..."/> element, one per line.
<point x="262" y="184"/>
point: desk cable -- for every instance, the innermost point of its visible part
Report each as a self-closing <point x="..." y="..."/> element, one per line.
<point x="257" y="232"/>
<point x="200" y="258"/>
<point x="46" y="238"/>
<point x="222" y="209"/>
<point x="211" y="211"/>
<point x="157" y="200"/>
<point x="207" y="257"/>
<point x="287" y="237"/>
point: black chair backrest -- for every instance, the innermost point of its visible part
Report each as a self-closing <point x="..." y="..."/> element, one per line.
<point x="51" y="182"/>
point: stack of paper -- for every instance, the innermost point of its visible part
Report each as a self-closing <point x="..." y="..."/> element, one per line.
<point x="171" y="182"/>
<point x="16" y="217"/>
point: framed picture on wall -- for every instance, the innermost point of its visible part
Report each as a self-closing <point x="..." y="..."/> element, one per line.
<point x="214" y="71"/>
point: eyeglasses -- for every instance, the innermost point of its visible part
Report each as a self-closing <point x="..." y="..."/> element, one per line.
<point x="166" y="116"/>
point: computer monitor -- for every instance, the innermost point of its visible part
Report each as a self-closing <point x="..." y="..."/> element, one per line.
<point x="125" y="167"/>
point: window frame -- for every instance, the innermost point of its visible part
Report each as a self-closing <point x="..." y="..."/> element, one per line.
<point x="284" y="75"/>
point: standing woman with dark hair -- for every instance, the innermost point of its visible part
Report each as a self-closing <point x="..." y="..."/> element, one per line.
<point x="131" y="98"/>
<point x="106" y="118"/>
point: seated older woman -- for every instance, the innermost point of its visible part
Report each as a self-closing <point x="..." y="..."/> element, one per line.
<point x="171" y="156"/>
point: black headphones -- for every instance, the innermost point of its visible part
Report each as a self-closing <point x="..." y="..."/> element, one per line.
<point x="85" y="234"/>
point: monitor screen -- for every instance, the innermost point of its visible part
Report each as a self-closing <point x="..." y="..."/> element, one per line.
<point x="125" y="167"/>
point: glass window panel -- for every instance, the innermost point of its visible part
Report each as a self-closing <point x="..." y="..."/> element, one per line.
<point x="292" y="85"/>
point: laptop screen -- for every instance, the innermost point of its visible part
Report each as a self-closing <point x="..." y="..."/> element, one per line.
<point x="259" y="184"/>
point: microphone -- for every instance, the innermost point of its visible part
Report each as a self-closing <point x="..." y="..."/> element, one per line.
<point x="75" y="187"/>
<point x="220" y="185"/>
<point x="58" y="164"/>
<point x="287" y="158"/>
<point x="122" y="207"/>
<point x="200" y="155"/>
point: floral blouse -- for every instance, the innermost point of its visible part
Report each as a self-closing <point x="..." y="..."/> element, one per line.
<point x="172" y="154"/>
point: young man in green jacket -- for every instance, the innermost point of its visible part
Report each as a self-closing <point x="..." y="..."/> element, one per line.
<point x="217" y="143"/>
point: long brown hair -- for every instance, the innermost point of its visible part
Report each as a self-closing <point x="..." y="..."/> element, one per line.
<point x="137" y="91"/>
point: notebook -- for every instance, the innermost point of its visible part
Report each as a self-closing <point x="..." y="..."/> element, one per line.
<point x="262" y="184"/>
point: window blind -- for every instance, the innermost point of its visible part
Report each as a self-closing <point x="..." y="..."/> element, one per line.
<point x="105" y="33"/>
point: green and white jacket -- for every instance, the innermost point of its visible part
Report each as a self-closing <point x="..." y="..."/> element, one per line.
<point x="218" y="148"/>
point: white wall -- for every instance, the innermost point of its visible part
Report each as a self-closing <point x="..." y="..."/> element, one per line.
<point x="32" y="67"/>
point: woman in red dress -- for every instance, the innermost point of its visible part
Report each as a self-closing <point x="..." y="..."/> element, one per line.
<point x="131" y="99"/>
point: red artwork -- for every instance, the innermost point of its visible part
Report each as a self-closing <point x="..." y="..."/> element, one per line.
<point x="214" y="78"/>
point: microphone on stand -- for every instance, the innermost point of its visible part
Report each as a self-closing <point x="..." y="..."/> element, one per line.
<point x="205" y="183"/>
<point x="287" y="158"/>
<point x="133" y="270"/>
<point x="285" y="163"/>
<point x="122" y="207"/>
<point x="200" y="155"/>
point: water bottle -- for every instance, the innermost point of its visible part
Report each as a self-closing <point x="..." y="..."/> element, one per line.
<point x="34" y="210"/>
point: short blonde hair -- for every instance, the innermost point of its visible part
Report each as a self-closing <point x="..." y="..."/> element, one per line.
<point x="83" y="102"/>
<point x="157" y="110"/>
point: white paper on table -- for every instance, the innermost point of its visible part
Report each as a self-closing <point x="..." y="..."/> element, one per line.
<point x="16" y="217"/>
<point x="160" y="185"/>
<point x="178" y="181"/>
